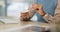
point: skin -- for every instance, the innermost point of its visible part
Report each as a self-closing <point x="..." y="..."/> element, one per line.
<point x="34" y="8"/>
<point x="39" y="9"/>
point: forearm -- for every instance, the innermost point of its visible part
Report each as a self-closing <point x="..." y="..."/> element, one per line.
<point x="42" y="13"/>
<point x="28" y="16"/>
<point x="40" y="9"/>
<point x="31" y="13"/>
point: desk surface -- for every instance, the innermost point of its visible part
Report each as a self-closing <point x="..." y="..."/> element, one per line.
<point x="22" y="23"/>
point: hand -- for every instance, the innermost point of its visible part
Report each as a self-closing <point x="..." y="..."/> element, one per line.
<point x="36" y="6"/>
<point x="24" y="16"/>
<point x="39" y="9"/>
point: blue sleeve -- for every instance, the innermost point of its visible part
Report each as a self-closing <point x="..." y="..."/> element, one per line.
<point x="49" y="6"/>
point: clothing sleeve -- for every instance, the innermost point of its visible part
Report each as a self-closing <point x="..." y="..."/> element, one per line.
<point x="49" y="6"/>
<point x="53" y="6"/>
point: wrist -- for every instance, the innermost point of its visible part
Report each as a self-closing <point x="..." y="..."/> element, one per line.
<point x="41" y="13"/>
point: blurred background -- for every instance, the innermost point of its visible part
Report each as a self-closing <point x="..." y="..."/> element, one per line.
<point x="12" y="8"/>
<point x="18" y="5"/>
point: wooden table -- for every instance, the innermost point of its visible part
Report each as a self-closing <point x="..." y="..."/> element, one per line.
<point x="11" y="27"/>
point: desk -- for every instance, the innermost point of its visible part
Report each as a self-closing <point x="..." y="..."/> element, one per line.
<point x="14" y="27"/>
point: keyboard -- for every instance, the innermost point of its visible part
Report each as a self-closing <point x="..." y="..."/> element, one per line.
<point x="8" y="20"/>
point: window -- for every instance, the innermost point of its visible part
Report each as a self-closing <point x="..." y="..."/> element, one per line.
<point x="14" y="7"/>
<point x="2" y="8"/>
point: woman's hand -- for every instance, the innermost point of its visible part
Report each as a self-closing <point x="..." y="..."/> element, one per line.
<point x="32" y="10"/>
<point x="40" y="10"/>
<point x="37" y="8"/>
<point x="25" y="16"/>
